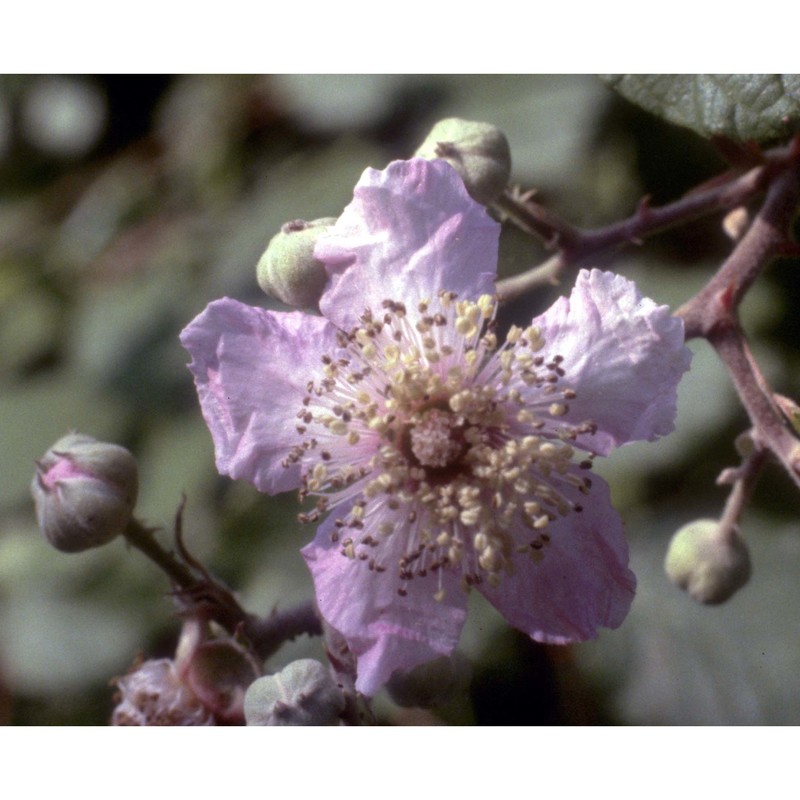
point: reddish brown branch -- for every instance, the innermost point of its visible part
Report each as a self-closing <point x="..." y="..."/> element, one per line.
<point x="770" y="430"/>
<point x="198" y="592"/>
<point x="713" y="314"/>
<point x="767" y="238"/>
<point x="577" y="247"/>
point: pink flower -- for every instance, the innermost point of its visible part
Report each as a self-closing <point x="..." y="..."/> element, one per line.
<point x="440" y="459"/>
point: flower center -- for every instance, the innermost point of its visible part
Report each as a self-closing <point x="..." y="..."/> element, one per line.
<point x="440" y="445"/>
<point x="436" y="439"/>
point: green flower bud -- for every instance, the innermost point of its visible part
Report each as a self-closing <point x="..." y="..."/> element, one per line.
<point x="304" y="693"/>
<point x="288" y="270"/>
<point x="710" y="566"/>
<point x="478" y="151"/>
<point x="431" y="684"/>
<point x="84" y="492"/>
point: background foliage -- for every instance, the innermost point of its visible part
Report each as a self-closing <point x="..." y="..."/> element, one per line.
<point x="743" y="107"/>
<point x="127" y="203"/>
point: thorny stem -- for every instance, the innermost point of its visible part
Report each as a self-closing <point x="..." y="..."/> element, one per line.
<point x="769" y="428"/>
<point x="713" y="314"/>
<point x="536" y="219"/>
<point x="269" y="633"/>
<point x="576" y="246"/>
<point x="201" y="593"/>
<point x="744" y="480"/>
<point x="142" y="539"/>
<point x="717" y="303"/>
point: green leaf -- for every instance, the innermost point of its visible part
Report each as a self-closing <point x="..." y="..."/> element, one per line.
<point x="742" y="107"/>
<point x="676" y="662"/>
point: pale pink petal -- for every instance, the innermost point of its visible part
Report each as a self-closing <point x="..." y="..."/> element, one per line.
<point x="623" y="355"/>
<point x="581" y="583"/>
<point x="251" y="367"/>
<point x="410" y="231"/>
<point x="385" y="631"/>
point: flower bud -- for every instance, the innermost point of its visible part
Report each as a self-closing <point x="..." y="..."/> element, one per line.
<point x="217" y="669"/>
<point x="84" y="491"/>
<point x="153" y="694"/>
<point x="304" y="693"/>
<point x="478" y="151"/>
<point x="711" y="567"/>
<point x="431" y="684"/>
<point x="288" y="270"/>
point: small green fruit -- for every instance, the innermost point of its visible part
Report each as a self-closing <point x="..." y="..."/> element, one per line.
<point x="709" y="566"/>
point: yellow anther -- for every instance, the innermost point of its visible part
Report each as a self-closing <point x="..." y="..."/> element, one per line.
<point x="480" y="541"/>
<point x="338" y="427"/>
<point x="465" y="327"/>
<point x="514" y="334"/>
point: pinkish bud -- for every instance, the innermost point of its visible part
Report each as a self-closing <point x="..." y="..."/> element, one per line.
<point x="153" y="694"/>
<point x="84" y="491"/>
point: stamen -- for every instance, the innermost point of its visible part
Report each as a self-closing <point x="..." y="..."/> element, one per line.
<point x="423" y="428"/>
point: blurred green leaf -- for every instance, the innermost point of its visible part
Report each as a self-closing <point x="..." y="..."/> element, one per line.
<point x="549" y="121"/>
<point x="759" y="107"/>
<point x="54" y="634"/>
<point x="34" y="415"/>
<point x="676" y="662"/>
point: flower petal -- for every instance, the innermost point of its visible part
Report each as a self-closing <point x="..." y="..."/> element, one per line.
<point x="623" y="355"/>
<point x="582" y="582"/>
<point x="251" y="367"/>
<point x="410" y="231"/>
<point x="384" y="631"/>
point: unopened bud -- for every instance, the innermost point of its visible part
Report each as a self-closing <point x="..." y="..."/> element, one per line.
<point x="288" y="270"/>
<point x="153" y="694"/>
<point x="218" y="670"/>
<point x="431" y="684"/>
<point x="304" y="693"/>
<point x="711" y="567"/>
<point x="84" y="491"/>
<point x="478" y="151"/>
